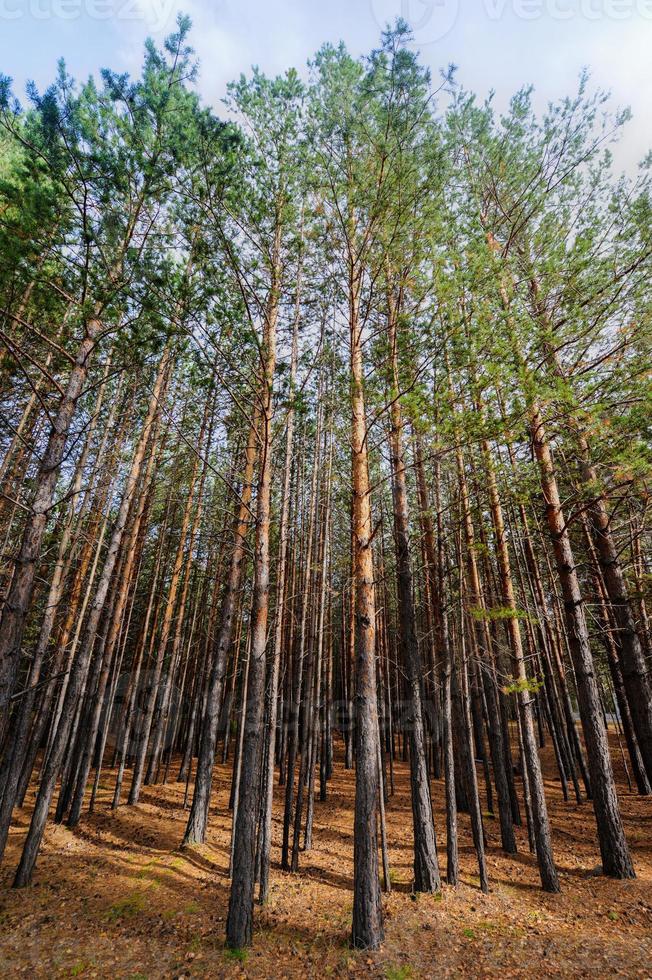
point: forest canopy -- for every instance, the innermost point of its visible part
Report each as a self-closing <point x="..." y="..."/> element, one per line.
<point x="325" y="444"/>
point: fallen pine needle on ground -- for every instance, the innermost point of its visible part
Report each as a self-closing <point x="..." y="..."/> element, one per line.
<point x="118" y="898"/>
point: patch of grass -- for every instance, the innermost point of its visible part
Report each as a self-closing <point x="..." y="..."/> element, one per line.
<point x="398" y="972"/>
<point x="192" y="908"/>
<point x="147" y="871"/>
<point x="613" y="916"/>
<point x="195" y="944"/>
<point x="79" y="967"/>
<point x="487" y="926"/>
<point x="468" y="933"/>
<point x="236" y="955"/>
<point x="127" y="908"/>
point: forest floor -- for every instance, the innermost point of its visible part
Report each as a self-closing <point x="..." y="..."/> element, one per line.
<point x="116" y="897"/>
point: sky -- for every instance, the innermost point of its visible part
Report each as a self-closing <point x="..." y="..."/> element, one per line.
<point x="497" y="44"/>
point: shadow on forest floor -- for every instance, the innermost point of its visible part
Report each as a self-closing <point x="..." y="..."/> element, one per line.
<point x="117" y="896"/>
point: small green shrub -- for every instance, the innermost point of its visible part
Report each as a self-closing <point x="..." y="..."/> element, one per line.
<point x="127" y="908"/>
<point x="239" y="955"/>
<point x="398" y="972"/>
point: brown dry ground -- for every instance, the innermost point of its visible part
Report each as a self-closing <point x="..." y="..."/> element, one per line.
<point x="116" y="897"/>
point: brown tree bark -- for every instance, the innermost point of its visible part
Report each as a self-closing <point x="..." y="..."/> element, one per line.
<point x="198" y="818"/>
<point x="367" y="931"/>
<point x="81" y="663"/>
<point x="616" y="860"/>
<point x="239" y="924"/>
<point x="426" y="864"/>
<point x="16" y="607"/>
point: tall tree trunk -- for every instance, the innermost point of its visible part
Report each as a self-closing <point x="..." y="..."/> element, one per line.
<point x="426" y="865"/>
<point x="296" y="688"/>
<point x="636" y="675"/>
<point x="166" y="629"/>
<point x="483" y="642"/>
<point x="109" y="640"/>
<point x="17" y="752"/>
<point x="198" y="818"/>
<point x="17" y="604"/>
<point x="279" y="621"/>
<point x="80" y="666"/>
<point x="367" y="931"/>
<point x="613" y="846"/>
<point x="524" y="694"/>
<point x="239" y="923"/>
